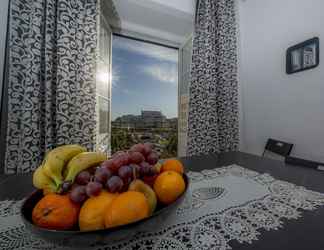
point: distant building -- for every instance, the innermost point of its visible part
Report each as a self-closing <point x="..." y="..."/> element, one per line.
<point x="153" y="119"/>
<point x="127" y="121"/>
<point x="147" y="119"/>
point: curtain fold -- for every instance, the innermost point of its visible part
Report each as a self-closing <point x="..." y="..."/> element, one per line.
<point x="51" y="79"/>
<point x="213" y="123"/>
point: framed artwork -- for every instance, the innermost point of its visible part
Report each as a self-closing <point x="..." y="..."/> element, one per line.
<point x="303" y="56"/>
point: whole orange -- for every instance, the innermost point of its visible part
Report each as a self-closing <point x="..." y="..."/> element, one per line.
<point x="128" y="207"/>
<point x="172" y="165"/>
<point x="168" y="186"/>
<point x="55" y="211"/>
<point x="93" y="211"/>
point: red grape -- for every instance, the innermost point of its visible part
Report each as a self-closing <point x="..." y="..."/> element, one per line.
<point x="136" y="157"/>
<point x="107" y="163"/>
<point x="117" y="153"/>
<point x="78" y="194"/>
<point x="66" y="185"/>
<point x="144" y="164"/>
<point x="144" y="169"/>
<point x="147" y="170"/>
<point x="115" y="184"/>
<point x="125" y="157"/>
<point x="102" y="175"/>
<point x="137" y="148"/>
<point x="126" y="184"/>
<point x="136" y="171"/>
<point x="149" y="180"/>
<point x="118" y="162"/>
<point x="121" y="160"/>
<point x="152" y="158"/>
<point x="125" y="172"/>
<point x="147" y="149"/>
<point x="93" y="188"/>
<point x="83" y="178"/>
<point x="152" y="171"/>
<point x="110" y="164"/>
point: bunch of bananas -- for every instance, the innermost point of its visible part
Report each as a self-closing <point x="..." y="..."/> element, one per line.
<point x="63" y="164"/>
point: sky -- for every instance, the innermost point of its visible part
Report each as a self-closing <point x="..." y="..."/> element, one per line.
<point x="144" y="77"/>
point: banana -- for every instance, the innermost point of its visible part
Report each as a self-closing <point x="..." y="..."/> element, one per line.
<point x="83" y="161"/>
<point x="42" y="181"/>
<point x="57" y="159"/>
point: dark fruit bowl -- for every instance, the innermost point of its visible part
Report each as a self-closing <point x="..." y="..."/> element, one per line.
<point x="76" y="238"/>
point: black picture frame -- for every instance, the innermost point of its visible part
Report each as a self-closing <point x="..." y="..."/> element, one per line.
<point x="303" y="56"/>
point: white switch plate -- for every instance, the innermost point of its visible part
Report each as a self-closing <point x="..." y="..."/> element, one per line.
<point x="320" y="167"/>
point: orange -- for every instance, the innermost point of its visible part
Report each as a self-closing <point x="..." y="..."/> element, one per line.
<point x="55" y="211"/>
<point x="173" y="165"/>
<point x="168" y="186"/>
<point x="93" y="211"/>
<point x="128" y="207"/>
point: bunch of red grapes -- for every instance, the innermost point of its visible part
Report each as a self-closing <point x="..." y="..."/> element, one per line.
<point x="116" y="174"/>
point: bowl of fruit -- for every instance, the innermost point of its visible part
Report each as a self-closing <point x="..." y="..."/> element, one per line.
<point x="84" y="198"/>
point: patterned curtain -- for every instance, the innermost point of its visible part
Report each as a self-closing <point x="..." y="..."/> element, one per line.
<point x="213" y="124"/>
<point x="51" y="78"/>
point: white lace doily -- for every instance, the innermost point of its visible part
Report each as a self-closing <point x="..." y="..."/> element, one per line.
<point x="223" y="204"/>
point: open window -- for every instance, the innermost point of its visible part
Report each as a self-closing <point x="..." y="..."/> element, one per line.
<point x="144" y="95"/>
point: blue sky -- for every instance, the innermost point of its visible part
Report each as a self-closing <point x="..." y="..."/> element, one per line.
<point x="145" y="76"/>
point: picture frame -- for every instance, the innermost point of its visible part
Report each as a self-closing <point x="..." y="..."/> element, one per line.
<point x="303" y="56"/>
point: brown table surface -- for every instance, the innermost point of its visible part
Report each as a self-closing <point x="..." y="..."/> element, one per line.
<point x="306" y="233"/>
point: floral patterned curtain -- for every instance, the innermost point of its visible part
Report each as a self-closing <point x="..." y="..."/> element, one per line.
<point x="213" y="124"/>
<point x="51" y="78"/>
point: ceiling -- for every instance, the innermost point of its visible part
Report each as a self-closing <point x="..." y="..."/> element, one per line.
<point x="168" y="22"/>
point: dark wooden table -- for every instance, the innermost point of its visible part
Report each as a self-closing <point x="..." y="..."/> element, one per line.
<point x="3" y="177"/>
<point x="306" y="233"/>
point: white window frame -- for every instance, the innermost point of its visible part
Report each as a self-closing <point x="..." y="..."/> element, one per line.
<point x="103" y="141"/>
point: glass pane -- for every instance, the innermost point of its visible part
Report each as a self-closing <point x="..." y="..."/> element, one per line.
<point x="104" y="41"/>
<point x="144" y="95"/>
<point x="104" y="108"/>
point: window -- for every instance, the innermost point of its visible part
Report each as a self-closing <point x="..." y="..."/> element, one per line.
<point x="144" y="95"/>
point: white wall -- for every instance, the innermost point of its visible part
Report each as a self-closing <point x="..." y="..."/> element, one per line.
<point x="183" y="5"/>
<point x="166" y="22"/>
<point x="287" y="107"/>
<point x="3" y="32"/>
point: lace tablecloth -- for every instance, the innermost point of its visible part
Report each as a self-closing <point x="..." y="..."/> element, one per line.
<point x="222" y="205"/>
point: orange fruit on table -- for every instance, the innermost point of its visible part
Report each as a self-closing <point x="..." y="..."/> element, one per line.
<point x="172" y="165"/>
<point x="92" y="213"/>
<point x="168" y="186"/>
<point x="128" y="207"/>
<point x="55" y="211"/>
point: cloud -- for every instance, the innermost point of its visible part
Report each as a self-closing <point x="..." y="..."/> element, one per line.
<point x="147" y="49"/>
<point x="164" y="72"/>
